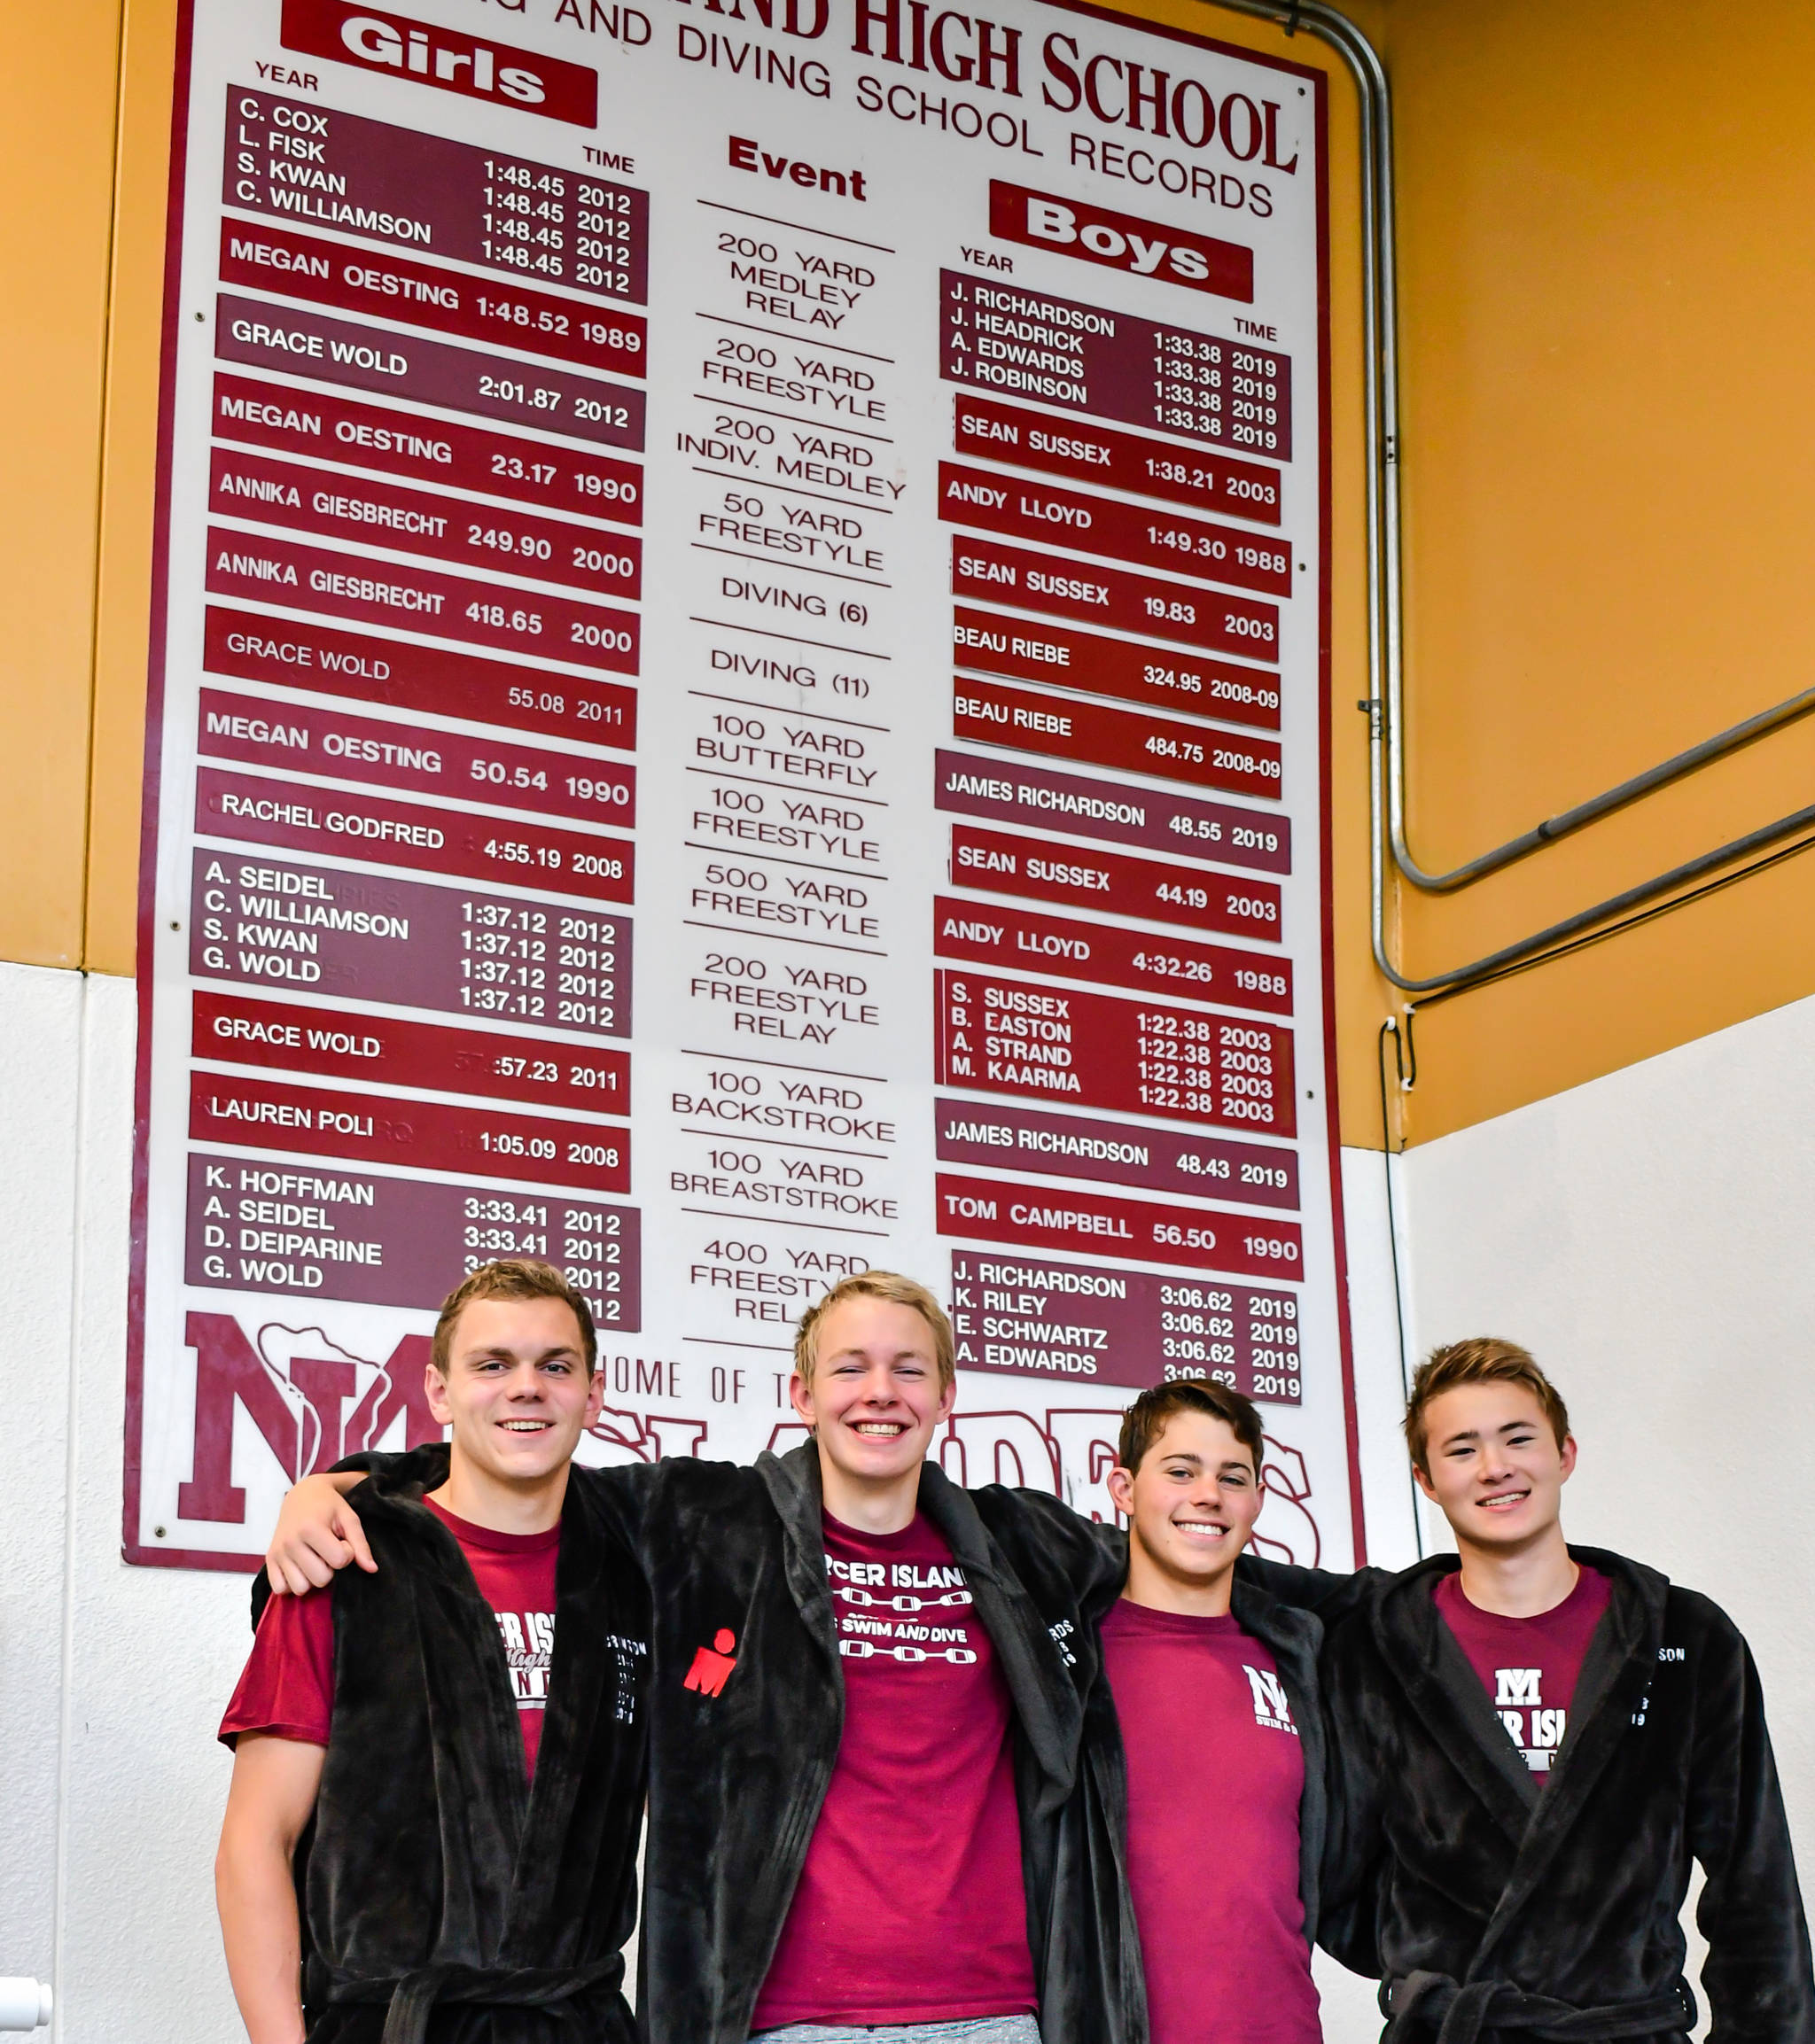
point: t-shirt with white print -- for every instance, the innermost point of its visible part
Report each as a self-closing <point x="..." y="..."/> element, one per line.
<point x="287" y="1688"/>
<point x="1529" y="1666"/>
<point x="911" y="1906"/>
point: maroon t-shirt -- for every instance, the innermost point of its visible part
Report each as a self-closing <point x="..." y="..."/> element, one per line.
<point x="287" y="1688"/>
<point x="1215" y="1776"/>
<point x="1529" y="1666"/>
<point x="910" y="1908"/>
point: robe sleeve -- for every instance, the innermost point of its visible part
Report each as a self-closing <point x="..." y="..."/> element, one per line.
<point x="427" y="1465"/>
<point x="1092" y="1556"/>
<point x="1331" y="1595"/>
<point x="1758" y="1974"/>
<point x="641" y="1501"/>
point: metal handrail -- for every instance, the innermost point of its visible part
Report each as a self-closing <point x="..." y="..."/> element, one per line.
<point x="1385" y="703"/>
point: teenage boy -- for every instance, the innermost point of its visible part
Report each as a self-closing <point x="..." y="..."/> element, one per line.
<point x="1205" y="1755"/>
<point x="1536" y="1739"/>
<point x="459" y="1735"/>
<point x="867" y="1721"/>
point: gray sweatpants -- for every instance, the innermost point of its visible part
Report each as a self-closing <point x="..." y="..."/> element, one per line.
<point x="972" y="2029"/>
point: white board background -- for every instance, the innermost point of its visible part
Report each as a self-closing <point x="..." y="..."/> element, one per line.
<point x="721" y="1372"/>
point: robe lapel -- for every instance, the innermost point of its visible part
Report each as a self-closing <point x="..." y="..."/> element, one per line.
<point x="578" y="1677"/>
<point x="1047" y="1702"/>
<point x="481" y="1782"/>
<point x="1619" y="1663"/>
<point x="793" y="1485"/>
<point x="449" y="1606"/>
<point x="1447" y="1694"/>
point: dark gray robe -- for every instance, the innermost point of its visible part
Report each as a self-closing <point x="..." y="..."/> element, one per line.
<point x="437" y="1890"/>
<point x="1488" y="1903"/>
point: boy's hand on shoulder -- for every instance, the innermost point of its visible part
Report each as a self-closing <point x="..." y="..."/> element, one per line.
<point x="317" y="1534"/>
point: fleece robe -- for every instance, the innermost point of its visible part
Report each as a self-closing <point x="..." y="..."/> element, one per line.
<point x="1491" y="1899"/>
<point x="442" y="1899"/>
<point x="747" y="1707"/>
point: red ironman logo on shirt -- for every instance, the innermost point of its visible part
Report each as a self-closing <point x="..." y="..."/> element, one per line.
<point x="712" y="1664"/>
<point x="429" y="55"/>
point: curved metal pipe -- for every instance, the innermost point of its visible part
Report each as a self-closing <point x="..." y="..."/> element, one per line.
<point x="1385" y="703"/>
<point x="1615" y="905"/>
<point x="1735" y="736"/>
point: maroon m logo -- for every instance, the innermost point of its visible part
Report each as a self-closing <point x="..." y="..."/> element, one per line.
<point x="301" y="1414"/>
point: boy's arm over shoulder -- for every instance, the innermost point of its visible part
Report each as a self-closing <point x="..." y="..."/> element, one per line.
<point x="1034" y="1527"/>
<point x="655" y="1505"/>
<point x="1095" y="1556"/>
<point x="318" y="1531"/>
<point x="1757" y="1973"/>
<point x="1328" y="1593"/>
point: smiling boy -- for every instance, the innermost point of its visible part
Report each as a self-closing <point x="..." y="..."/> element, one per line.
<point x="1207" y="1771"/>
<point x="400" y="1717"/>
<point x="1535" y="1741"/>
<point x="1520" y="1608"/>
<point x="910" y="1908"/>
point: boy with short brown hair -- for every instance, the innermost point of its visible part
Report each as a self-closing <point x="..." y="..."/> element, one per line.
<point x="1534" y="1741"/>
<point x="397" y="1720"/>
<point x="1204" y="1755"/>
<point x="1484" y="1359"/>
<point x="869" y="1712"/>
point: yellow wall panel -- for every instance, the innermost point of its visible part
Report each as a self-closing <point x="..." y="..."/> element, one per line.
<point x="58" y="87"/>
<point x="1607" y="265"/>
<point x="1607" y="288"/>
<point x="127" y="503"/>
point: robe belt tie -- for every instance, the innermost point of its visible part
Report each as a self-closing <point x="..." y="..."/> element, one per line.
<point x="1420" y="2003"/>
<point x="412" y="1997"/>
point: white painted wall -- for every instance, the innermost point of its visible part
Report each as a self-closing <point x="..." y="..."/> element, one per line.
<point x="112" y="1680"/>
<point x="1648" y="1238"/>
<point x="1349" y="2016"/>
